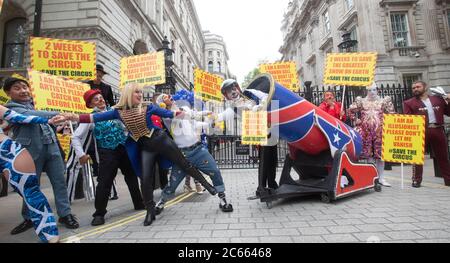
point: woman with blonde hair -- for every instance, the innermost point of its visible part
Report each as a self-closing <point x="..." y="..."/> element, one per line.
<point x="18" y="167"/>
<point x="149" y="139"/>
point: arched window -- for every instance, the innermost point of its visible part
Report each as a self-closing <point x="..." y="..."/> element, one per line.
<point x="210" y="66"/>
<point x="14" y="43"/>
<point x="219" y="67"/>
<point x="182" y="64"/>
<point x="140" y="48"/>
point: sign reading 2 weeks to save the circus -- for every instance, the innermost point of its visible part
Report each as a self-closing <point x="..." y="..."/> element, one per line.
<point x="207" y="86"/>
<point x="65" y="58"/>
<point x="350" y="69"/>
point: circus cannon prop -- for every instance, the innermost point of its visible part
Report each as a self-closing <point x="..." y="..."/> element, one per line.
<point x="322" y="150"/>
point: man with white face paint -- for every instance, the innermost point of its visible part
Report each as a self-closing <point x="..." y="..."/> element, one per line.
<point x="255" y="100"/>
<point x="367" y="116"/>
<point x="250" y="99"/>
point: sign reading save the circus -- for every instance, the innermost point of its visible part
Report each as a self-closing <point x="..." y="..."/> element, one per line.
<point x="65" y="58"/>
<point x="350" y="69"/>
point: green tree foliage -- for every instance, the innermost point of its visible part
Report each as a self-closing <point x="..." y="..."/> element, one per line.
<point x="250" y="76"/>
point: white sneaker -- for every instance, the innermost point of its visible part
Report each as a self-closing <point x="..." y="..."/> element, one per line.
<point x="384" y="183"/>
<point x="199" y="189"/>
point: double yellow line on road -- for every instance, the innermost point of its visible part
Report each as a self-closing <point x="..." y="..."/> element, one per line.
<point x="122" y="222"/>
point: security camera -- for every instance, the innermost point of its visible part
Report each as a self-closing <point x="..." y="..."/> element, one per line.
<point x="417" y="55"/>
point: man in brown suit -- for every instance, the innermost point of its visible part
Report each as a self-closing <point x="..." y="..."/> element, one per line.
<point x="434" y="108"/>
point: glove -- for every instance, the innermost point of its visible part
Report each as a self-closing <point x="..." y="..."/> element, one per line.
<point x="439" y="91"/>
<point x="257" y="108"/>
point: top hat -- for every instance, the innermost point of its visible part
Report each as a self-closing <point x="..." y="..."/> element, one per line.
<point x="100" y="68"/>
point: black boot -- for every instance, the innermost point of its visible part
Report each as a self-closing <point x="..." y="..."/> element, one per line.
<point x="192" y="171"/>
<point x="224" y="205"/>
<point x="151" y="214"/>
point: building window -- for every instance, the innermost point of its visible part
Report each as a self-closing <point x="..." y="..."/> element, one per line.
<point x="210" y="53"/>
<point x="219" y="67"/>
<point x="311" y="40"/>
<point x="14" y="43"/>
<point x="349" y="4"/>
<point x="400" y="29"/>
<point x="218" y="54"/>
<point x="354" y="36"/>
<point x="409" y="79"/>
<point x="210" y="67"/>
<point x="182" y="64"/>
<point x="448" y="17"/>
<point x="326" y="21"/>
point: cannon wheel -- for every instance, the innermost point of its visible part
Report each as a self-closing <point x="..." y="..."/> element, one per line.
<point x="325" y="198"/>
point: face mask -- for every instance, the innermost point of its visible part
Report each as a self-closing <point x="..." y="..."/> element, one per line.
<point x="372" y="92"/>
<point x="234" y="95"/>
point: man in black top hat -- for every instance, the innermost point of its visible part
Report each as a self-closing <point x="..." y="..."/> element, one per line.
<point x="104" y="88"/>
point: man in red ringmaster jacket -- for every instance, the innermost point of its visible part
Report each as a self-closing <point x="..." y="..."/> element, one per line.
<point x="434" y="108"/>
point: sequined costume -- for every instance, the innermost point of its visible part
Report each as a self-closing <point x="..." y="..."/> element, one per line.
<point x="26" y="184"/>
<point x="367" y="116"/>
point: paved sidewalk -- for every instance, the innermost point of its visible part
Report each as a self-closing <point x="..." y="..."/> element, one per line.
<point x="394" y="215"/>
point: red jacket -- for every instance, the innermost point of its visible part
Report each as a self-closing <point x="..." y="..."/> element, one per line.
<point x="335" y="112"/>
<point x="157" y="121"/>
<point x="416" y="106"/>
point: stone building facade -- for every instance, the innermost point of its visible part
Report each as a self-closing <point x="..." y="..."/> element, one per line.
<point x="216" y="55"/>
<point x="119" y="28"/>
<point x="412" y="37"/>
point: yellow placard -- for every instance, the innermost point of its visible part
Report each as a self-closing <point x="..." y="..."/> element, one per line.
<point x="146" y="70"/>
<point x="52" y="93"/>
<point x="3" y="97"/>
<point x="351" y="69"/>
<point x="254" y="128"/>
<point x="285" y="73"/>
<point x="404" y="139"/>
<point x="207" y="86"/>
<point x="64" y="141"/>
<point x="66" y="58"/>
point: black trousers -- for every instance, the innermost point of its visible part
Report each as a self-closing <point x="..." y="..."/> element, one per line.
<point x="267" y="169"/>
<point x="160" y="144"/>
<point x="110" y="162"/>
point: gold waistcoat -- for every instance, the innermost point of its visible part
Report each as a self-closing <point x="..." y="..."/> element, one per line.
<point x="135" y="122"/>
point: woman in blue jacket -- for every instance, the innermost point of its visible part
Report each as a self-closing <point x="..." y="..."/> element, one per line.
<point x="150" y="140"/>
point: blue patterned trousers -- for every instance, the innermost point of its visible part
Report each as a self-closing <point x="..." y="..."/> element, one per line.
<point x="26" y="184"/>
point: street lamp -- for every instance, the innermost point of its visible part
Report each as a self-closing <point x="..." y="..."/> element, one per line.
<point x="169" y="86"/>
<point x="37" y="18"/>
<point x="348" y="43"/>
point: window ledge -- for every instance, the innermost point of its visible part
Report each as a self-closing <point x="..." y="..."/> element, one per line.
<point x="407" y="51"/>
<point x="398" y="2"/>
<point x="311" y="58"/>
<point x="348" y="19"/>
